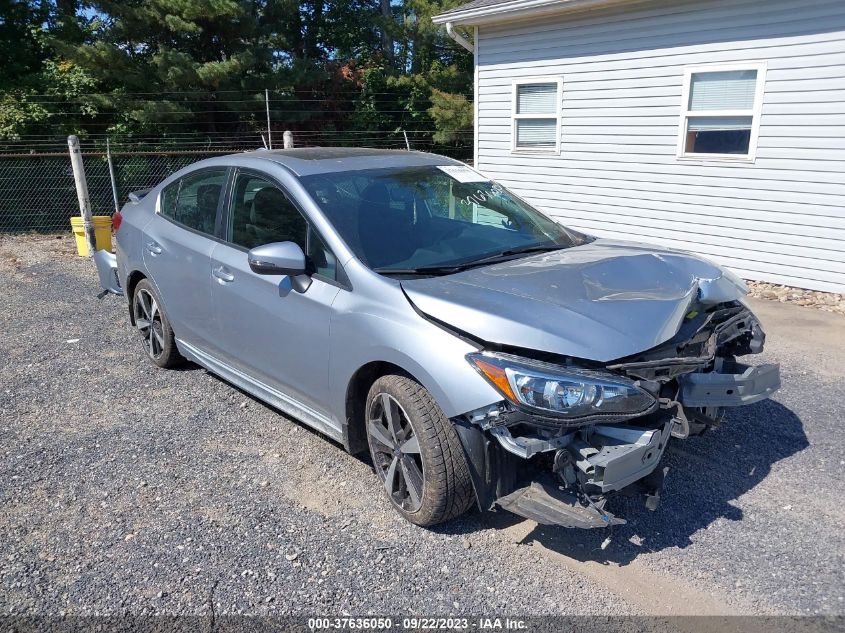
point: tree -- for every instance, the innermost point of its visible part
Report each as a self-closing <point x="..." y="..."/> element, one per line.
<point x="157" y="66"/>
<point x="452" y="115"/>
<point x="21" y="48"/>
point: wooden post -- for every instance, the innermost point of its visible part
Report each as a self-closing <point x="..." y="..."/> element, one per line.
<point x="113" y="179"/>
<point x="267" y="106"/>
<point x="287" y="138"/>
<point x="82" y="192"/>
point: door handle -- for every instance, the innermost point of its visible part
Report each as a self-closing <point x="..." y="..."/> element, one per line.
<point x="153" y="248"/>
<point x="222" y="273"/>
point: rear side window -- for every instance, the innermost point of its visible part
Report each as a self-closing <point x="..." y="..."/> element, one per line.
<point x="192" y="201"/>
<point x="168" y="199"/>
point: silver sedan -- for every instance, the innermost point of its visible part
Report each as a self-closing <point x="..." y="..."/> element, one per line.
<point x="402" y="303"/>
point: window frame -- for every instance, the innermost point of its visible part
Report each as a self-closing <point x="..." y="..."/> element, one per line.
<point x="557" y="115"/>
<point x="177" y="183"/>
<point x="755" y="112"/>
<point x="342" y="280"/>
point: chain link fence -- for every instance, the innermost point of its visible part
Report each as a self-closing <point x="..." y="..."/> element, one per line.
<point x="37" y="191"/>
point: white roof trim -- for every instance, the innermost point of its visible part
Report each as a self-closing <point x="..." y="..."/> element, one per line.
<point x="519" y="9"/>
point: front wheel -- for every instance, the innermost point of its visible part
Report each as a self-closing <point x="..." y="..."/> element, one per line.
<point x="416" y="452"/>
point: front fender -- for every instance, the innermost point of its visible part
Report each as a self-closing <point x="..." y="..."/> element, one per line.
<point x="433" y="356"/>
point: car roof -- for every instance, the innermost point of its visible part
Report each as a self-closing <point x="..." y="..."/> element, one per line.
<point x="307" y="161"/>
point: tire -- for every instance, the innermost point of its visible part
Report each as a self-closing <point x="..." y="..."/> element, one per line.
<point x="445" y="490"/>
<point x="154" y="326"/>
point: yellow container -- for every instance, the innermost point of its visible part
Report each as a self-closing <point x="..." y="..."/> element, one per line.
<point x="102" y="234"/>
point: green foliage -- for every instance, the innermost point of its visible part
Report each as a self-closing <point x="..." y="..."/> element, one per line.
<point x="18" y="114"/>
<point x="452" y="114"/>
<point x="21" y="48"/>
<point x="154" y="66"/>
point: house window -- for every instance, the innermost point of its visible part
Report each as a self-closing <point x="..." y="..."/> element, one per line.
<point x="536" y="115"/>
<point x="720" y="113"/>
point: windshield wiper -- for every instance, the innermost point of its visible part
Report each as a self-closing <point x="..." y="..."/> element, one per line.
<point x="537" y="248"/>
<point x="448" y="269"/>
<point x="422" y="270"/>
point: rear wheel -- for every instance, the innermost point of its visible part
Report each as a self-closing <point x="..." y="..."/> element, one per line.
<point x="416" y="452"/>
<point x="153" y="326"/>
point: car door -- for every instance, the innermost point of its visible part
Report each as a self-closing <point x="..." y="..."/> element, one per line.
<point x="177" y="247"/>
<point x="269" y="330"/>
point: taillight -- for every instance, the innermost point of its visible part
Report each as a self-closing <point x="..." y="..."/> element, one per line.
<point x="116" y="220"/>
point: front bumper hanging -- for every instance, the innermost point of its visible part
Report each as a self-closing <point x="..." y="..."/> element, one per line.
<point x="547" y="503"/>
<point x="595" y="460"/>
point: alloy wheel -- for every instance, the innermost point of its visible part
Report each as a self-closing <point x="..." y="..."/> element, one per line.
<point x="396" y="452"/>
<point x="148" y="321"/>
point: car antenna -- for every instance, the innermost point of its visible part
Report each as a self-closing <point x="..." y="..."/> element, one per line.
<point x="407" y="144"/>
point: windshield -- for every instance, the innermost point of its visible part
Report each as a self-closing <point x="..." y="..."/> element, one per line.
<point x="416" y="218"/>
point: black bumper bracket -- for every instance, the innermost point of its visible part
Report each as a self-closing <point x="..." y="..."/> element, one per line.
<point x="547" y="504"/>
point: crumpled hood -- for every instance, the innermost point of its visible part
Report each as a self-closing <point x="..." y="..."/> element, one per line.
<point x="600" y="301"/>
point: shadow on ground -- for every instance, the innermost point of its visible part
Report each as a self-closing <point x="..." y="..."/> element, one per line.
<point x="707" y="474"/>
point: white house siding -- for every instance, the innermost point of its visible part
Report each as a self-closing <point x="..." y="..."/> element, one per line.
<point x="781" y="218"/>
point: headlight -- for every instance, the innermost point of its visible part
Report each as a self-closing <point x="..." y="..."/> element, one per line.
<point x="564" y="391"/>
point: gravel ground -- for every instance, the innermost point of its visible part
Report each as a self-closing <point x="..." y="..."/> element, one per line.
<point x="825" y="301"/>
<point x="130" y="489"/>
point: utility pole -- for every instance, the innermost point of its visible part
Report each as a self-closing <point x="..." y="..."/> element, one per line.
<point x="113" y="179"/>
<point x="82" y="192"/>
<point x="267" y="106"/>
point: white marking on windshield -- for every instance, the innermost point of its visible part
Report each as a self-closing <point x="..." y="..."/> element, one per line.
<point x="462" y="173"/>
<point x="480" y="196"/>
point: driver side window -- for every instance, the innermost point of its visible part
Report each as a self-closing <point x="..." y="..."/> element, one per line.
<point x="260" y="213"/>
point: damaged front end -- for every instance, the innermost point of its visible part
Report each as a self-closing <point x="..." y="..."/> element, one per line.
<point x="566" y="437"/>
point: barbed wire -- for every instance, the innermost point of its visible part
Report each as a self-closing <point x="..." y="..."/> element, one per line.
<point x="36" y="181"/>
<point x="259" y="99"/>
<point x="38" y="142"/>
<point x="258" y="94"/>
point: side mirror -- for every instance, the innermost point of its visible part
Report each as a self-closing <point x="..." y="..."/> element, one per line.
<point x="281" y="258"/>
<point x="278" y="258"/>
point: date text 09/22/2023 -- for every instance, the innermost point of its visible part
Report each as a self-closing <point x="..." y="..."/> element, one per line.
<point x="416" y="623"/>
